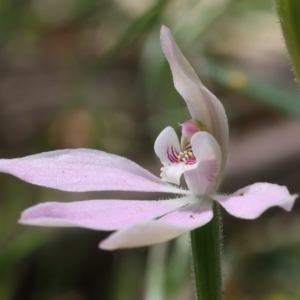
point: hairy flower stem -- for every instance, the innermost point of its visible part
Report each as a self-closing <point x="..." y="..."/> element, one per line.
<point x="288" y="12"/>
<point x="206" y="252"/>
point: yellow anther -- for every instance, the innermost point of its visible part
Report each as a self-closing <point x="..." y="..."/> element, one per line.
<point x="190" y="153"/>
<point x="185" y="152"/>
<point x="186" y="156"/>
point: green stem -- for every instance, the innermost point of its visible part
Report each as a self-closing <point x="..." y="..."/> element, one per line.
<point x="288" y="12"/>
<point x="206" y="252"/>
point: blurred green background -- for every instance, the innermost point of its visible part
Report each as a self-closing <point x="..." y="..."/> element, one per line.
<point x="92" y="74"/>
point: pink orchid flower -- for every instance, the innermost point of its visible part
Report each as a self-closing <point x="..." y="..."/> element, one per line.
<point x="200" y="157"/>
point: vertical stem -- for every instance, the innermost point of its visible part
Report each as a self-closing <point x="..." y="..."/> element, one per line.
<point x="206" y="252"/>
<point x="156" y="264"/>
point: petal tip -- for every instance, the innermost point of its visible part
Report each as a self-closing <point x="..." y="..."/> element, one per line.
<point x="105" y="245"/>
<point x="21" y="222"/>
<point x="289" y="205"/>
<point x="164" y="30"/>
<point x="165" y="38"/>
<point x="29" y="222"/>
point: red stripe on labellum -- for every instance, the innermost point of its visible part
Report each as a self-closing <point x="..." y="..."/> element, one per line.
<point x="172" y="156"/>
<point x="175" y="157"/>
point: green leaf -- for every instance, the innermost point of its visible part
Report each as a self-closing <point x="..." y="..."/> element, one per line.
<point x="288" y="13"/>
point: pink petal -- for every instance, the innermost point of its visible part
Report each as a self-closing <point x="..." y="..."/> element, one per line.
<point x="202" y="180"/>
<point x="202" y="104"/>
<point x="79" y="170"/>
<point x="161" y="230"/>
<point x="189" y="128"/>
<point x="167" y="148"/>
<point x="99" y="214"/>
<point x="251" y="201"/>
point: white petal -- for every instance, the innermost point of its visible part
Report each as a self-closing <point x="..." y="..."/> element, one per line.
<point x="167" y="142"/>
<point x="157" y="231"/>
<point x="251" y="201"/>
<point x="79" y="170"/>
<point x="172" y="173"/>
<point x="99" y="214"/>
<point x="202" y="104"/>
<point x="202" y="180"/>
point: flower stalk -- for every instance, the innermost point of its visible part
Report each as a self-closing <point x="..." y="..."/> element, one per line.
<point x="206" y="246"/>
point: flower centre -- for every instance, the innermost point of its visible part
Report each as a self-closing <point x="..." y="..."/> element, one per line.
<point x="186" y="156"/>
